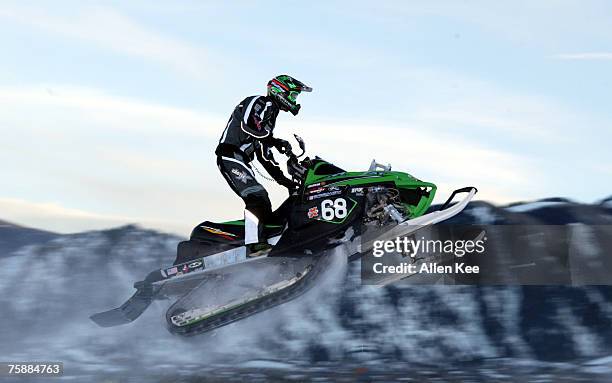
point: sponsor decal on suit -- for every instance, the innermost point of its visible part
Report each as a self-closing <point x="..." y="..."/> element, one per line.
<point x="241" y="175"/>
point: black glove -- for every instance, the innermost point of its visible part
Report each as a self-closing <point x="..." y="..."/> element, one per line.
<point x="282" y="146"/>
<point x="290" y="185"/>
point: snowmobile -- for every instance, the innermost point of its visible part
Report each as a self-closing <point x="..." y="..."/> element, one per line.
<point x="329" y="207"/>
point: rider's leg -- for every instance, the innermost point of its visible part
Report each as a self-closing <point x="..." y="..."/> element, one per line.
<point x="241" y="179"/>
<point x="257" y="211"/>
<point x="282" y="213"/>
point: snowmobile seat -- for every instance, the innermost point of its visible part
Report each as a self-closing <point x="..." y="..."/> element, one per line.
<point x="231" y="233"/>
<point x="211" y="238"/>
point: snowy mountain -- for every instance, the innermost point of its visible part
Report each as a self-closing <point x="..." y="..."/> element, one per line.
<point x="12" y="237"/>
<point x="50" y="284"/>
<point x="607" y="203"/>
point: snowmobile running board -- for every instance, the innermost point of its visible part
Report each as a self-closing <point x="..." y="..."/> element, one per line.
<point x="410" y="226"/>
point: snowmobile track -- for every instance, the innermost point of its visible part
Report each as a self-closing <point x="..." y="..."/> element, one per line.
<point x="250" y="308"/>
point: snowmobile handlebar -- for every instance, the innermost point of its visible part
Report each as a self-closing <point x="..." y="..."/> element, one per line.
<point x="295" y="168"/>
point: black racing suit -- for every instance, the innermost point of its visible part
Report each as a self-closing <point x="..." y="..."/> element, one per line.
<point x="248" y="134"/>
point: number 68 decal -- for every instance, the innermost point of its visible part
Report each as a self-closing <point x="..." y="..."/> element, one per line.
<point x="331" y="210"/>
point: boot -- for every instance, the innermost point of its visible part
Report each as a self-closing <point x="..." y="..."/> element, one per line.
<point x="258" y="249"/>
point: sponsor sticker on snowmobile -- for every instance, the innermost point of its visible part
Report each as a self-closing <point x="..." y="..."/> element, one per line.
<point x="315" y="191"/>
<point x="375" y="189"/>
<point x="316" y="185"/>
<point x="358" y="191"/>
<point x="323" y="195"/>
<point x="216" y="231"/>
<point x="195" y="264"/>
<point x="313" y="212"/>
<point x="172" y="271"/>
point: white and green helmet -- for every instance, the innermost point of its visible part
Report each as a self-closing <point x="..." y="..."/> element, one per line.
<point x="284" y="90"/>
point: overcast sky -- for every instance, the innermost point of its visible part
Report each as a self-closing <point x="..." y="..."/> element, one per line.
<point x="110" y="111"/>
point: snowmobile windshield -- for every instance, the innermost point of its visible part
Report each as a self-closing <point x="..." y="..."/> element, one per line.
<point x="326" y="169"/>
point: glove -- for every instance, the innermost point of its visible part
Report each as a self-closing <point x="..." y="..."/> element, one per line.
<point x="290" y="185"/>
<point x="293" y="188"/>
<point x="295" y="169"/>
<point x="282" y="146"/>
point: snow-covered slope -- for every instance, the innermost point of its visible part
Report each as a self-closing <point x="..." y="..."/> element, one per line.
<point x="607" y="203"/>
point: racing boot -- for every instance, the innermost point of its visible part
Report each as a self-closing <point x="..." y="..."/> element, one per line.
<point x="258" y="249"/>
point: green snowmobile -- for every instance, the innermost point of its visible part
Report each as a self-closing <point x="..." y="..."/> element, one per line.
<point x="331" y="206"/>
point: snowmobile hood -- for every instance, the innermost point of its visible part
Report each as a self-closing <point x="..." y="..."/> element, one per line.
<point x="325" y="174"/>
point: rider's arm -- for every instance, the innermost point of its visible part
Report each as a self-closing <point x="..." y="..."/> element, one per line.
<point x="266" y="158"/>
<point x="257" y="117"/>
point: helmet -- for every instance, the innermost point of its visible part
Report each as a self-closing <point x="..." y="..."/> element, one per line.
<point x="284" y="90"/>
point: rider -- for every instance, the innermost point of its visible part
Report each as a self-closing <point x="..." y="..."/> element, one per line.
<point x="248" y="133"/>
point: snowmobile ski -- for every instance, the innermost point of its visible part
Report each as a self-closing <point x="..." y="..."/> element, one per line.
<point x="130" y="310"/>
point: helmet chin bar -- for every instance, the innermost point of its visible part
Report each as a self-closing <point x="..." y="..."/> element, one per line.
<point x="285" y="106"/>
<point x="295" y="110"/>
